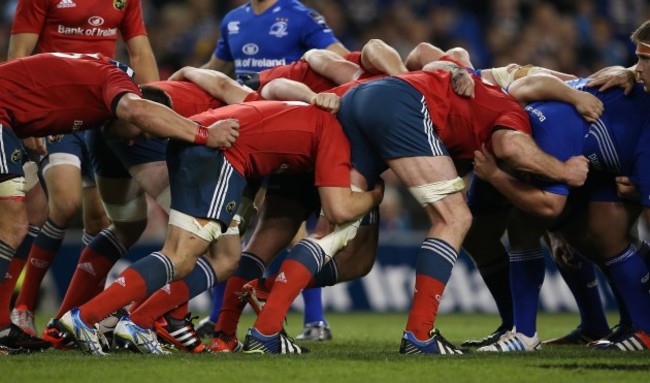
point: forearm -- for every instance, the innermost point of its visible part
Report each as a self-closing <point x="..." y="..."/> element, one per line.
<point x="377" y="57"/>
<point x="519" y="152"/>
<point x="156" y="119"/>
<point x="542" y="87"/>
<point x="331" y="66"/>
<point x="282" y="89"/>
<point x="524" y="196"/>
<point x="341" y="205"/>
<point x="217" y="84"/>
<point x="142" y="60"/>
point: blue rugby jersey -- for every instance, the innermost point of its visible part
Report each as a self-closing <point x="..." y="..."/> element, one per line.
<point x="278" y="36"/>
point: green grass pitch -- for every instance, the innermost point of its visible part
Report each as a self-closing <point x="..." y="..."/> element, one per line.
<point x="364" y="349"/>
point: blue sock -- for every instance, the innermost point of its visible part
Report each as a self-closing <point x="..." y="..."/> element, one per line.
<point x="583" y="284"/>
<point x="625" y="320"/>
<point x="328" y="275"/>
<point x="526" y="278"/>
<point x="311" y="256"/>
<point x="86" y="238"/>
<point x="217" y="300"/>
<point x="201" y="278"/>
<point x="313" y="305"/>
<point x="156" y="270"/>
<point x="26" y="245"/>
<point x="6" y="254"/>
<point x="628" y="273"/>
<point x="497" y="280"/>
<point x="108" y="245"/>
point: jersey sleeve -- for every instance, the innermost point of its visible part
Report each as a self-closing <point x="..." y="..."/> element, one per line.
<point x="117" y="83"/>
<point x="333" y="158"/>
<point x="514" y="118"/>
<point x="222" y="51"/>
<point x="133" y="24"/>
<point x="315" y="31"/>
<point x="30" y="16"/>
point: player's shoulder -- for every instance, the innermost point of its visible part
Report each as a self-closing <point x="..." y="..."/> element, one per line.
<point x="298" y="8"/>
<point x="239" y="12"/>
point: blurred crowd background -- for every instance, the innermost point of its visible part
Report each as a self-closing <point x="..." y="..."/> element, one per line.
<point x="573" y="36"/>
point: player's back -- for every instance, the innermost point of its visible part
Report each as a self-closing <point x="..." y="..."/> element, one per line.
<point x="620" y="130"/>
<point x="463" y="124"/>
<point x="54" y="93"/>
<point x="282" y="137"/>
<point x="187" y="98"/>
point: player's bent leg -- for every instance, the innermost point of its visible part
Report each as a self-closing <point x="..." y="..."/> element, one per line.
<point x="434" y="183"/>
<point x="94" y="216"/>
<point x="483" y="244"/>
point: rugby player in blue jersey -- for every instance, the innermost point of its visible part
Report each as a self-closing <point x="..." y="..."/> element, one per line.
<point x="616" y="144"/>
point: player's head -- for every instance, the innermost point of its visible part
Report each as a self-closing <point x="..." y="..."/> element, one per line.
<point x="641" y="37"/>
<point x="156" y="94"/>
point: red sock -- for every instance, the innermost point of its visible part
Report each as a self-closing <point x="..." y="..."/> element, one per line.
<point x="7" y="287"/>
<point x="87" y="281"/>
<point x="292" y="278"/>
<point x="428" y="292"/>
<point x="160" y="302"/>
<point x="231" y="307"/>
<point x="37" y="266"/>
<point x="127" y="287"/>
<point x="180" y="311"/>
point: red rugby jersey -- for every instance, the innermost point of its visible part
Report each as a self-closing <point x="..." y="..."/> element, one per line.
<point x="79" y="26"/>
<point x="54" y="93"/>
<point x="285" y="137"/>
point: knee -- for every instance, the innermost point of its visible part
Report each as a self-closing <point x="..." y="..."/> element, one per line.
<point x="128" y="232"/>
<point x="63" y="210"/>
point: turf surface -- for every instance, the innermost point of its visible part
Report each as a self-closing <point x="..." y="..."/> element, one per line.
<point x="364" y="349"/>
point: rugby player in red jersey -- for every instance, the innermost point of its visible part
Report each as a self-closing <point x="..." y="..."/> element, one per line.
<point x="86" y="91"/>
<point x="90" y="26"/>
<point x="415" y="124"/>
<point x="206" y="186"/>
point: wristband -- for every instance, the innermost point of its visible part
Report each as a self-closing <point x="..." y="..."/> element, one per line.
<point x="201" y="137"/>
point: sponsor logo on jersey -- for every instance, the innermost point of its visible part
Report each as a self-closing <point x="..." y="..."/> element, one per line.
<point x="121" y="281"/>
<point x="81" y="31"/>
<point x="230" y="207"/>
<point x="320" y="20"/>
<point x="167" y="289"/>
<point x="95" y="21"/>
<point x="279" y="28"/>
<point x="119" y="4"/>
<point x="250" y="49"/>
<point x="535" y="112"/>
<point x="17" y="156"/>
<point x="259" y="63"/>
<point x="66" y="4"/>
<point x="233" y="27"/>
